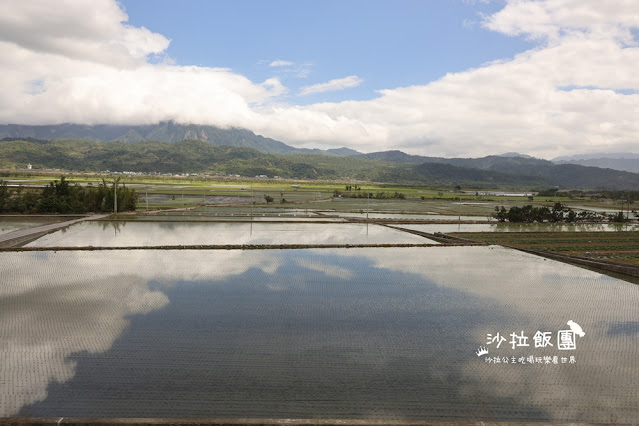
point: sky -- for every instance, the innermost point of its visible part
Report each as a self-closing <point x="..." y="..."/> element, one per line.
<point x="463" y="78"/>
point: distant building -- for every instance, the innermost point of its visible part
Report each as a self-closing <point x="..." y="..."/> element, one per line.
<point x="29" y="166"/>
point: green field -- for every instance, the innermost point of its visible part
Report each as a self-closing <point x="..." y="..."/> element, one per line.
<point x="620" y="247"/>
<point x="175" y="192"/>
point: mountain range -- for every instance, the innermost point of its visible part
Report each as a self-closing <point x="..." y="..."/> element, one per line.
<point x="169" y="147"/>
<point x="626" y="161"/>
<point x="166" y="131"/>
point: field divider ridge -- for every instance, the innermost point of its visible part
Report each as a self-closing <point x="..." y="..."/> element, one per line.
<point x="221" y="247"/>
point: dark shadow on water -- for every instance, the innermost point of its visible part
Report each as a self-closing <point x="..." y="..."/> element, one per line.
<point x="627" y="328"/>
<point x="116" y="225"/>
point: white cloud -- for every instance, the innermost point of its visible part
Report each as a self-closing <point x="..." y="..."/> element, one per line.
<point x="553" y="18"/>
<point x="80" y="62"/>
<point x="302" y="70"/>
<point x="88" y="31"/>
<point x="333" y="85"/>
<point x="289" y="68"/>
<point x="280" y="63"/>
<point x="87" y="92"/>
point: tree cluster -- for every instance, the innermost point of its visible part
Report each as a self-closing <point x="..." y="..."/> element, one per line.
<point x="62" y="197"/>
<point x="530" y="214"/>
<point x="380" y="195"/>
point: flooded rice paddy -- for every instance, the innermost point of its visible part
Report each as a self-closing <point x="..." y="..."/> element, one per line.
<point x="259" y="210"/>
<point x="16" y="223"/>
<point x="513" y="227"/>
<point x="176" y="217"/>
<point x="123" y="234"/>
<point x="407" y="216"/>
<point x="365" y="333"/>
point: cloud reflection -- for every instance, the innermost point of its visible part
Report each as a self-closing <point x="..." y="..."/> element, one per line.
<point x="50" y="318"/>
<point x="53" y="305"/>
<point x="433" y="308"/>
<point x="542" y="294"/>
<point x="157" y="234"/>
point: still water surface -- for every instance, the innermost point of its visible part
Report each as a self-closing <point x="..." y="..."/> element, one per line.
<point x="514" y="227"/>
<point x="322" y="333"/>
<point x="122" y="234"/>
<point x="16" y="223"/>
<point x="408" y="216"/>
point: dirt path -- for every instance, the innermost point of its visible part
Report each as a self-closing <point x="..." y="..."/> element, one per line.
<point x="22" y="236"/>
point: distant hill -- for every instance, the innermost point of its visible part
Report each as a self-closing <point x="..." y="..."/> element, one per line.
<point x="343" y="152"/>
<point x="449" y="175"/>
<point x="529" y="169"/>
<point x="191" y="156"/>
<point x="167" y="131"/>
<point x="169" y="147"/>
<point x="624" y="164"/>
<point x="625" y="161"/>
<point x="491" y="162"/>
<point x="198" y="156"/>
<point x="616" y="155"/>
<point x="515" y="154"/>
<point x="499" y="163"/>
<point x="398" y="157"/>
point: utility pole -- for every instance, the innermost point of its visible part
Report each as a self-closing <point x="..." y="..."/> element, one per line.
<point x="115" y="197"/>
<point x="368" y="204"/>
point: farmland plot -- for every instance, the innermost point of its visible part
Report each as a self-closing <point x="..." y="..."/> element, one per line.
<point x="365" y="333"/>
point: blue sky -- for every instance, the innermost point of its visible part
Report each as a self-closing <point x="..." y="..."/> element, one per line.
<point x="386" y="44"/>
<point x="445" y="78"/>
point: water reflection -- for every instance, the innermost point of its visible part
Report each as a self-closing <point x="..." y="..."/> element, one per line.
<point x="544" y="295"/>
<point x="239" y="218"/>
<point x="169" y="233"/>
<point x="79" y="303"/>
<point x="46" y="319"/>
<point x="521" y="227"/>
<point x="352" y="333"/>
<point x="11" y="224"/>
<point x="628" y="328"/>
<point x="115" y="225"/>
<point x="406" y="216"/>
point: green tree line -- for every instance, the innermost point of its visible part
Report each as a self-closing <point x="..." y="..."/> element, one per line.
<point x="558" y="213"/>
<point x="62" y="197"/>
<point x="377" y="195"/>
